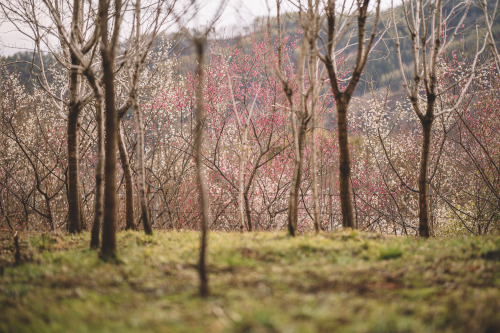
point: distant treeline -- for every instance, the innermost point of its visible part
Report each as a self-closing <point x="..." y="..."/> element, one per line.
<point x="381" y="71"/>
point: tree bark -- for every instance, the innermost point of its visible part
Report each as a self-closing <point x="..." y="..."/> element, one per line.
<point x="344" y="165"/>
<point x="423" y="188"/>
<point x="203" y="199"/>
<point x="83" y="219"/>
<point x="129" y="190"/>
<point x="108" y="53"/>
<point x="314" y="171"/>
<point x="74" y="206"/>
<point x="73" y="181"/>
<point x="293" y="202"/>
<point x="139" y="123"/>
<point x="140" y="169"/>
<point x="99" y="173"/>
<point x="241" y="178"/>
<point x="108" y="245"/>
<point x="247" y="211"/>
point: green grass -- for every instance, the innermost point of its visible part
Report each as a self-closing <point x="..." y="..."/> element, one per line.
<point x="260" y="282"/>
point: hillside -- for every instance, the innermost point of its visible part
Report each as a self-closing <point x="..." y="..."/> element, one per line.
<point x="380" y="71"/>
<point x="260" y="282"/>
<point x="382" y="68"/>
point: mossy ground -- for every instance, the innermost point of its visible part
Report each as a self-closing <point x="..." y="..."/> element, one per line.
<point x="260" y="282"/>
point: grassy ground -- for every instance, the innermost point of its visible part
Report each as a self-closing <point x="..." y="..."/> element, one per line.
<point x="260" y="282"/>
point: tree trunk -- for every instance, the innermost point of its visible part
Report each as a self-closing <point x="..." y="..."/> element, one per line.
<point x="50" y="218"/>
<point x="314" y="168"/>
<point x="241" y="179"/>
<point x="108" y="53"/>
<point x="293" y="203"/>
<point x="129" y="190"/>
<point x="99" y="171"/>
<point x="73" y="181"/>
<point x="108" y="245"/>
<point x="140" y="169"/>
<point x="247" y="211"/>
<point x="203" y="199"/>
<point x="423" y="198"/>
<point x="74" y="206"/>
<point x="344" y="165"/>
<point x="83" y="218"/>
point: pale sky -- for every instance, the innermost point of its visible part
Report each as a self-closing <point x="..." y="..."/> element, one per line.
<point x="11" y="41"/>
<point x="236" y="13"/>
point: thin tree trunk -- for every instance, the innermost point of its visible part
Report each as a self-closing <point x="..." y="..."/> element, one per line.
<point x="241" y="179"/>
<point x="50" y="218"/>
<point x="140" y="124"/>
<point x="108" y="245"/>
<point x="315" y="86"/>
<point x="73" y="181"/>
<point x="83" y="218"/>
<point x="423" y="189"/>
<point x="203" y="199"/>
<point x="293" y="203"/>
<point x="247" y="211"/>
<point x="314" y="168"/>
<point x="129" y="191"/>
<point x="99" y="173"/>
<point x="140" y="170"/>
<point x="344" y="166"/>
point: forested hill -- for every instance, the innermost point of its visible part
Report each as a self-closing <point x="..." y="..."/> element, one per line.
<point x="26" y="65"/>
<point x="381" y="70"/>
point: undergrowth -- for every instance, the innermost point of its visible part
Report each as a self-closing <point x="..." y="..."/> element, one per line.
<point x="347" y="281"/>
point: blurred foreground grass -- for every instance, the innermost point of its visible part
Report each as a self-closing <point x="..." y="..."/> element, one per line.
<point x="260" y="282"/>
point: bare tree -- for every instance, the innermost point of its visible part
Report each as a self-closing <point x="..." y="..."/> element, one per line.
<point x="243" y="124"/>
<point x="490" y="15"/>
<point x="25" y="129"/>
<point x="99" y="168"/>
<point x="133" y="61"/>
<point x="109" y="42"/>
<point x="201" y="183"/>
<point x="127" y="173"/>
<point x="104" y="86"/>
<point x="312" y="21"/>
<point x="303" y="108"/>
<point x="141" y="47"/>
<point x="430" y="38"/>
<point x="339" y="19"/>
<point x="73" y="42"/>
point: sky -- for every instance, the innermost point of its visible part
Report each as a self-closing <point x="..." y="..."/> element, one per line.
<point x="239" y="12"/>
<point x="236" y="13"/>
<point x="11" y="41"/>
